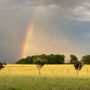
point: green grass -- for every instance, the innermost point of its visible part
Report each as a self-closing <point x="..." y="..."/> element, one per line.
<point x="39" y="82"/>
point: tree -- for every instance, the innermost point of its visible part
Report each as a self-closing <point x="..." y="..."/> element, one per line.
<point x="73" y="59"/>
<point x="2" y="65"/>
<point x="39" y="63"/>
<point x="86" y="59"/>
<point x="78" y="66"/>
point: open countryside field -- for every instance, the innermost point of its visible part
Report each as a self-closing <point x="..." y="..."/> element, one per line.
<point x="53" y="77"/>
<point x="58" y="70"/>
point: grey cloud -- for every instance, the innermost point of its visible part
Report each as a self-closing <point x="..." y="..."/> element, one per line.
<point x="73" y="9"/>
<point x="18" y="3"/>
<point x="64" y="3"/>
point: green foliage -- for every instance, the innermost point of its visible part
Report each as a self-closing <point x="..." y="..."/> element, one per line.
<point x="73" y="59"/>
<point x="86" y="59"/>
<point x="59" y="59"/>
<point x="48" y="59"/>
<point x="39" y="61"/>
<point x="55" y="59"/>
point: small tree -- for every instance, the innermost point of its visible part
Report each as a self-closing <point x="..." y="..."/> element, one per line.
<point x="39" y="63"/>
<point x="2" y="65"/>
<point x="78" y="66"/>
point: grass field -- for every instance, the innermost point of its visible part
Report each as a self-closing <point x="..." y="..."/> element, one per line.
<point x="53" y="77"/>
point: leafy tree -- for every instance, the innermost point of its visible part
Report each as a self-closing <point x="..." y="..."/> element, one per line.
<point x="73" y="59"/>
<point x="86" y="59"/>
<point x="39" y="63"/>
<point x="78" y="66"/>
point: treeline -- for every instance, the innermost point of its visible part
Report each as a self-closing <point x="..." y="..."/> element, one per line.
<point x="48" y="59"/>
<point x="53" y="59"/>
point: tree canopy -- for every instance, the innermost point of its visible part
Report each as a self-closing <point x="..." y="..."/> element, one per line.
<point x="54" y="59"/>
<point x="49" y="59"/>
<point x="73" y="59"/>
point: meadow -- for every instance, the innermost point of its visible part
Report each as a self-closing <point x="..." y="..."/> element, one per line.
<point x="52" y="77"/>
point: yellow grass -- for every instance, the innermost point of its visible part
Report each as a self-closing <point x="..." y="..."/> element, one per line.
<point x="62" y="70"/>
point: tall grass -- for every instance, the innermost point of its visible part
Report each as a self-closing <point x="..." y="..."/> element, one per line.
<point x="53" y="77"/>
<point x="21" y="82"/>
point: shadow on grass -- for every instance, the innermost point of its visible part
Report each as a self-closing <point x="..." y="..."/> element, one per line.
<point x="9" y="88"/>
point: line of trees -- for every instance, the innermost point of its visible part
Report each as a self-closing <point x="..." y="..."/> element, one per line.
<point x="53" y="59"/>
<point x="49" y="59"/>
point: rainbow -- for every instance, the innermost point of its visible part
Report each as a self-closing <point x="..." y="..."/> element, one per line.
<point x="25" y="45"/>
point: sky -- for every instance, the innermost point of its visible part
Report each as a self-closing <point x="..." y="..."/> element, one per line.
<point x="58" y="27"/>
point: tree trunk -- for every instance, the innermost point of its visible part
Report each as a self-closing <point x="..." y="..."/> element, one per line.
<point x="39" y="71"/>
<point x="87" y="71"/>
<point x="77" y="72"/>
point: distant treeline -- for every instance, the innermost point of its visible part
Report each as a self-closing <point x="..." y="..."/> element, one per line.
<point x="53" y="59"/>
